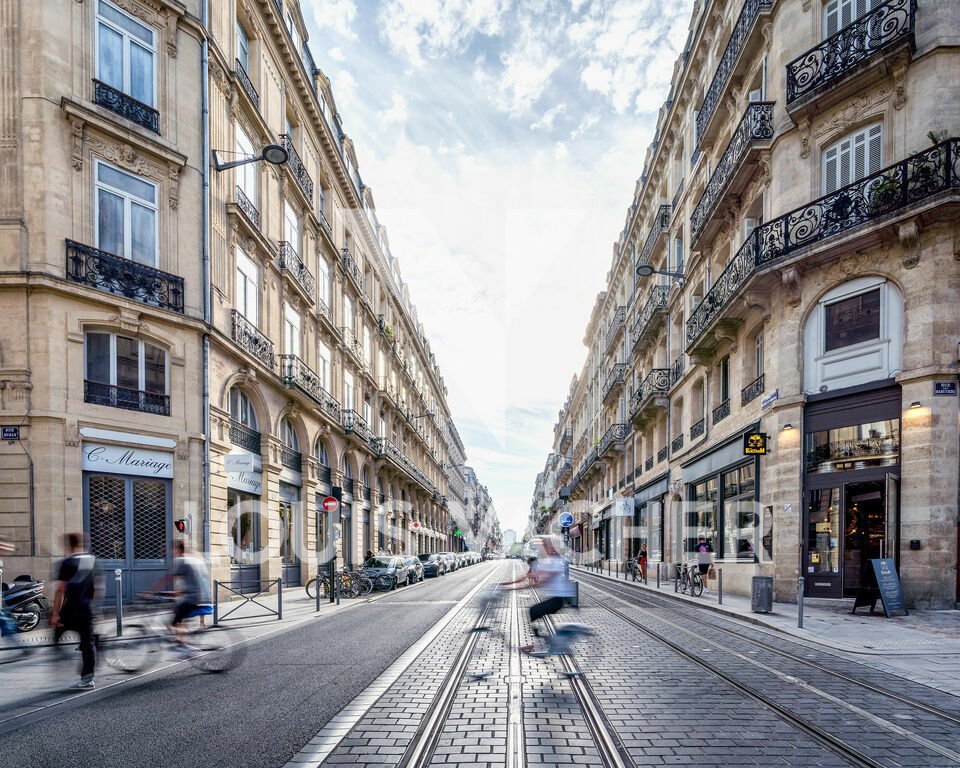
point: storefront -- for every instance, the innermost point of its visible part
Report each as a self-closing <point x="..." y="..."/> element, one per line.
<point x="326" y="549"/>
<point x="290" y="511"/>
<point x="851" y="488"/>
<point x="128" y="506"/>
<point x="244" y="489"/>
<point x="648" y="506"/>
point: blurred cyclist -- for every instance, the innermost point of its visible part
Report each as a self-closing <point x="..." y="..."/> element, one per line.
<point x="193" y="585"/>
<point x="552" y="580"/>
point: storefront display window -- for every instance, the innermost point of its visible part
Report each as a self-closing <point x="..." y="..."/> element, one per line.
<point x="860" y="446"/>
<point x="244" y="533"/>
<point x="739" y="515"/>
<point x="702" y="517"/>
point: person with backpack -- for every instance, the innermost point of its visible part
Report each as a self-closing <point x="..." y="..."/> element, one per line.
<point x="74" y="593"/>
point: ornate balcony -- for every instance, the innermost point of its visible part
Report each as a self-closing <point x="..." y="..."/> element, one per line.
<point x="325" y="224"/>
<point x="566" y="437"/>
<point x="662" y="454"/>
<point x="565" y="473"/>
<point x="661" y="224"/>
<point x="385" y="448"/>
<point x="648" y="321"/>
<point x="752" y="391"/>
<point x="291" y="263"/>
<point x="296" y="167"/>
<point x="249" y="338"/>
<point x="616" y="325"/>
<point x="352" y="344"/>
<point x="677" y="369"/>
<point x="129" y="399"/>
<point x="721" y="411"/>
<point x="354" y="423"/>
<point x="677" y="443"/>
<point x="698" y="429"/>
<point x="247" y="208"/>
<point x="291" y="459"/>
<point x="614" y="381"/>
<point x="246" y="84"/>
<point x="741" y="41"/>
<point x="297" y="374"/>
<point x="674" y="204"/>
<point x="655" y="385"/>
<point x="122" y="277"/>
<point x="886" y="28"/>
<point x="244" y="437"/>
<point x="613" y="439"/>
<point x="126" y="106"/>
<point x="648" y="464"/>
<point x="351" y="268"/>
<point x="755" y="128"/>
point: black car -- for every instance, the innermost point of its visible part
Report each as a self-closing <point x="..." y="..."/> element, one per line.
<point x="415" y="568"/>
<point x="433" y="564"/>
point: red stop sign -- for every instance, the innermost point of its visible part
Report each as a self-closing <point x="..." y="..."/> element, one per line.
<point x="330" y="504"/>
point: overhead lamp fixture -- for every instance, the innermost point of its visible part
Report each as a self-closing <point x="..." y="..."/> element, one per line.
<point x="915" y="404"/>
<point x="645" y="270"/>
<point x="787" y="427"/>
<point x="271" y="153"/>
<point x="422" y="415"/>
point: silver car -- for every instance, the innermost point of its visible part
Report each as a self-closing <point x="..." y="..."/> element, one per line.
<point x="387" y="571"/>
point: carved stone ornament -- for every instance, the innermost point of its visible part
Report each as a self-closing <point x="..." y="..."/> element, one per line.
<point x="174" y="192"/>
<point x="171" y="35"/>
<point x="839" y="122"/>
<point x="806" y="5"/>
<point x="76" y="129"/>
<point x="909" y="234"/>
<point x="71" y="434"/>
<point x="899" y="82"/>
<point x="676" y="487"/>
<point x="757" y="300"/>
<point x="183" y="450"/>
<point x="804" y="129"/>
<point x="790" y="280"/>
<point x="126" y="157"/>
<point x="728" y="336"/>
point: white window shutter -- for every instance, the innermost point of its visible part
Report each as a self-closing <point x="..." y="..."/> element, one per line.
<point x="830" y="182"/>
<point x="874" y="149"/>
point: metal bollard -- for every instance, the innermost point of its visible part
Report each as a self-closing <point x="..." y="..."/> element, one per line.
<point x="608" y="567"/>
<point x="118" y="577"/>
<point x="331" y="573"/>
<point x="719" y="586"/>
<point x="279" y="599"/>
<point x="800" y="603"/>
<point x="216" y="602"/>
<point x="658" y="575"/>
<point x="316" y="586"/>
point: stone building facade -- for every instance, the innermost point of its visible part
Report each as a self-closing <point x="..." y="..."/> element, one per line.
<point x="787" y="276"/>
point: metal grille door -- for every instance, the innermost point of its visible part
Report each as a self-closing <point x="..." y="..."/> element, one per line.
<point x="108" y="508"/>
<point x="149" y="520"/>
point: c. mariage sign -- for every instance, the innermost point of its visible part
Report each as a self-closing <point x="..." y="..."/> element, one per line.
<point x="124" y="460"/>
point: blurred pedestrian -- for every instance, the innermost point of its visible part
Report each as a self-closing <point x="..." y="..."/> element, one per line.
<point x="642" y="560"/>
<point x="74" y="592"/>
<point x="552" y="580"/>
<point x="704" y="558"/>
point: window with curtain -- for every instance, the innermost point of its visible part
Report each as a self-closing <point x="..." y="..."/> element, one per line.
<point x="291" y="330"/>
<point x="246" y="174"/>
<point x="247" y="288"/>
<point x="126" y="53"/>
<point x="119" y="368"/>
<point x="291" y="227"/>
<point x="243" y="48"/>
<point x="126" y="214"/>
<point x="241" y="408"/>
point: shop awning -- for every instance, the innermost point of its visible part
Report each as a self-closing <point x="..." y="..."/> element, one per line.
<point x="574" y="531"/>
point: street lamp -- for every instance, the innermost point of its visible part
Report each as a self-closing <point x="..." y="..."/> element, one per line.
<point x="645" y="270"/>
<point x="272" y="153"/>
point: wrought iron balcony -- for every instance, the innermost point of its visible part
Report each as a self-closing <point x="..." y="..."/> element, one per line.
<point x="325" y="224"/>
<point x="648" y="464"/>
<point x="244" y="437"/>
<point x="676" y="195"/>
<point x="354" y="423"/>
<point x="616" y="325"/>
<point x="752" y="391"/>
<point x="614" y="381"/>
<point x="291" y="459"/>
<point x="129" y="399"/>
<point x="661" y="223"/>
<point x="655" y="384"/>
<point x="677" y="443"/>
<point x="351" y="268"/>
<point x="887" y="27"/>
<point x="248" y="208"/>
<point x="698" y="429"/>
<point x="126" y="106"/>
<point x="654" y="310"/>
<point x="755" y="127"/>
<point x="662" y="455"/>
<point x="291" y="263"/>
<point x="247" y="84"/>
<point x="296" y="167"/>
<point x="351" y="343"/>
<point x="323" y="473"/>
<point x="298" y="374"/>
<point x="613" y="438"/>
<point x="122" y="277"/>
<point x="742" y="30"/>
<point x="249" y="338"/>
<point x="677" y="369"/>
<point x="566" y="437"/>
<point x="721" y="411"/>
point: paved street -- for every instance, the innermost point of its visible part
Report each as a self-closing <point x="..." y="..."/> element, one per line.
<point x="403" y="680"/>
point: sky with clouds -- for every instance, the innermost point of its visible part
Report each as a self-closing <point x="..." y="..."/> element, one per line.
<point x="502" y="140"/>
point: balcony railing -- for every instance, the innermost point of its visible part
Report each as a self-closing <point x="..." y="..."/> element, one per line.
<point x="654" y="308"/>
<point x="129" y="399"/>
<point x="297" y="373"/>
<point x="325" y="223"/>
<point x="662" y="454"/>
<point x="676" y="370"/>
<point x="648" y="464"/>
<point x="352" y="343"/>
<point x="615" y="435"/>
<point x="676" y="195"/>
<point x="887" y="26"/>
<point x="614" y="380"/>
<point x="756" y="125"/>
<point x="616" y="324"/>
<point x="247" y="84"/>
<point x="566" y="437"/>
<point x="677" y="443"/>
<point x="355" y="423"/>
<point x="752" y="391"/>
<point x="386" y="447"/>
<point x="249" y="338"/>
<point x="323" y="473"/>
<point x="122" y="277"/>
<point x="126" y="106"/>
<point x="741" y="31"/>
<point x="661" y="223"/>
<point x="655" y="384"/>
<point x="291" y="459"/>
<point x="248" y="208"/>
<point x="351" y="268"/>
<point x="244" y="437"/>
<point x="291" y="262"/>
<point x="698" y="429"/>
<point x="296" y="166"/>
<point x="917" y="178"/>
<point x="721" y="411"/>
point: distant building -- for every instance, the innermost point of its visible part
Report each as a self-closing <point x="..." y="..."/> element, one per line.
<point x="509" y="537"/>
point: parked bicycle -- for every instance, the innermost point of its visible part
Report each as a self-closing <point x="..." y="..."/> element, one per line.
<point x="633" y="568"/>
<point x="348" y="584"/>
<point x="688" y="579"/>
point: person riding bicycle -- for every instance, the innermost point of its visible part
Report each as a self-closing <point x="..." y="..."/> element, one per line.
<point x="552" y="579"/>
<point x="193" y="582"/>
<point x="76" y="587"/>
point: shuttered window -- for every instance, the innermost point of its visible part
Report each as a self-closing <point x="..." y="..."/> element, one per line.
<point x="853" y="157"/>
<point x="839" y="13"/>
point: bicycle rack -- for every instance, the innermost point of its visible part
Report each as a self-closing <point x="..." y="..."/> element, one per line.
<point x="228" y="585"/>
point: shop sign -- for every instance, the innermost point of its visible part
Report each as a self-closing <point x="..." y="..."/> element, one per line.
<point x="623" y="508"/>
<point x="125" y="460"/>
<point x="248" y="482"/>
<point x="755" y="444"/>
<point x="238" y="462"/>
<point x="944" y="389"/>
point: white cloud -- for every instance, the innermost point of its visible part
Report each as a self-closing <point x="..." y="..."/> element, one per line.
<point x="547" y="119"/>
<point x="336" y="15"/>
<point x="336" y="54"/>
<point x="396" y="113"/>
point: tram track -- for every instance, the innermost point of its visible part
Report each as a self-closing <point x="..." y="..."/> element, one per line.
<point x="829" y="740"/>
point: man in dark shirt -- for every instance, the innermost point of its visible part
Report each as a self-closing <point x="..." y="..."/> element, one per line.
<point x="76" y="587"/>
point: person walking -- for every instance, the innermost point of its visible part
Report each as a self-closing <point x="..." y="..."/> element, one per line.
<point x="552" y="580"/>
<point x="74" y="592"/>
<point x="704" y="558"/>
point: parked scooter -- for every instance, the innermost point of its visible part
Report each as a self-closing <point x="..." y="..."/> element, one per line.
<point x="23" y="599"/>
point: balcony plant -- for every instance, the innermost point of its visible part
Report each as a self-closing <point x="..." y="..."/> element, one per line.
<point x="883" y="194"/>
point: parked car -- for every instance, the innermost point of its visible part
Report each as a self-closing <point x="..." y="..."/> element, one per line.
<point x="492" y="556"/>
<point x="415" y="567"/>
<point x="450" y="559"/>
<point x="433" y="564"/>
<point x="387" y="571"/>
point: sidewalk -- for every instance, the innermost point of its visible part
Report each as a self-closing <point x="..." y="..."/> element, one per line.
<point x="923" y="646"/>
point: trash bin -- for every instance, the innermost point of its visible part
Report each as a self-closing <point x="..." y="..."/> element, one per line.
<point x="573" y="602"/>
<point x="761" y="594"/>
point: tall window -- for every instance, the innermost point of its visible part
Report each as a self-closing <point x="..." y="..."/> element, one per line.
<point x="294" y="33"/>
<point x="323" y="281"/>
<point x="247" y="290"/>
<point x="241" y="408"/>
<point x="348" y="312"/>
<point x="367" y="345"/>
<point x="323" y="352"/>
<point x="125" y="373"/>
<point x="126" y="216"/>
<point x="723" y="374"/>
<point x="348" y="391"/>
<point x="758" y="355"/>
<point x="853" y="157"/>
<point x="321" y="453"/>
<point x="291" y="330"/>
<point x="126" y="50"/>
<point x="367" y="411"/>
<point x="291" y="226"/>
<point x="837" y="14"/>
<point x="246" y="174"/>
<point x="243" y="48"/>
<point x="288" y="435"/>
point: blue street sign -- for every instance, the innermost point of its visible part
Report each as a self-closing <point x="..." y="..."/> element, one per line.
<point x="566" y="520"/>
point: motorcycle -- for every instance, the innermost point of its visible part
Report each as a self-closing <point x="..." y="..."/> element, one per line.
<point x="23" y="599"/>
